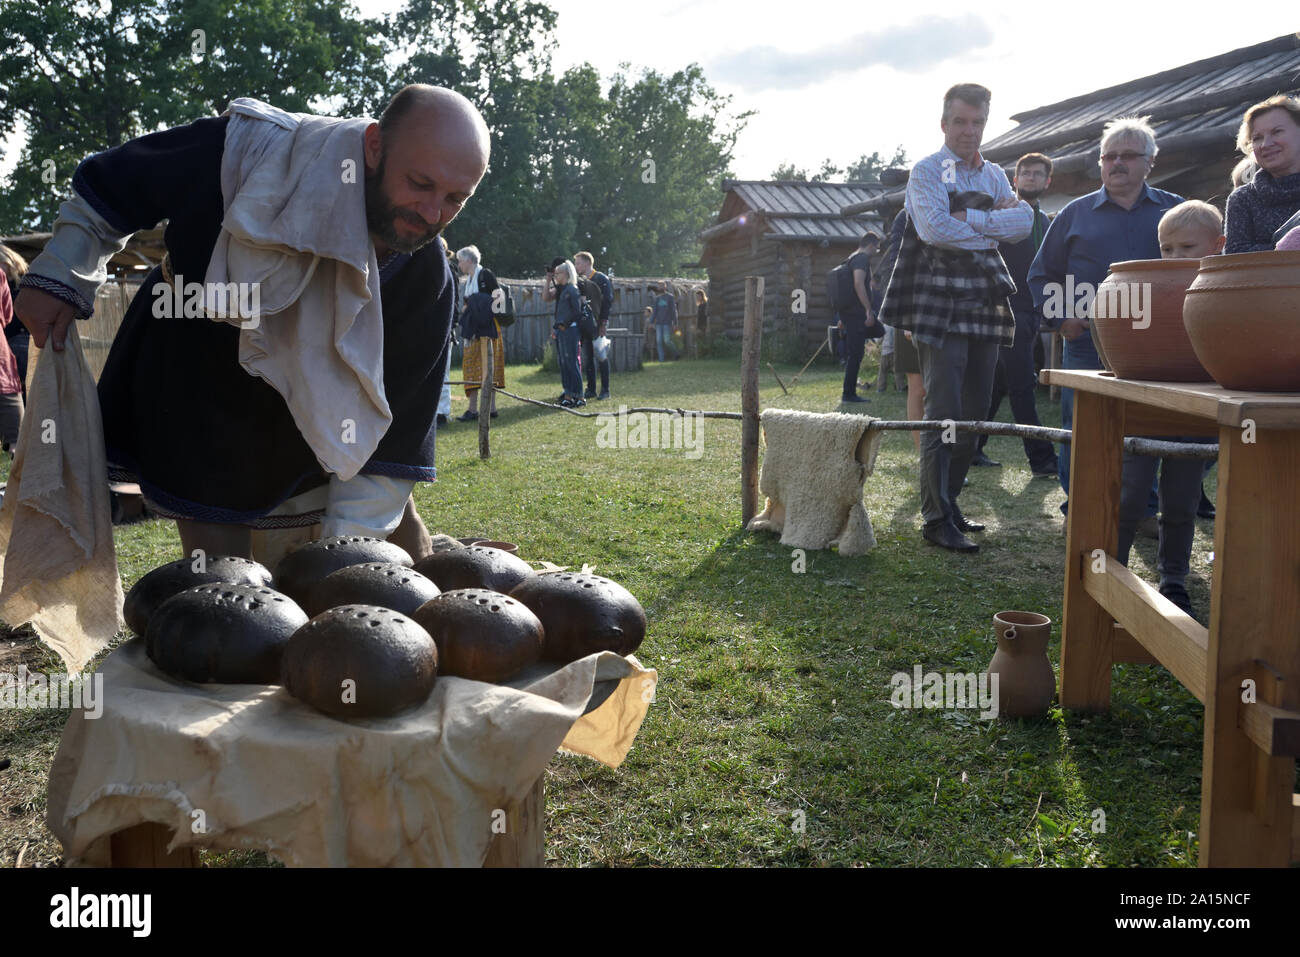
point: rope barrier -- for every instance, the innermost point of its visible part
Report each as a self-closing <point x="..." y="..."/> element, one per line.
<point x="1132" y="444"/>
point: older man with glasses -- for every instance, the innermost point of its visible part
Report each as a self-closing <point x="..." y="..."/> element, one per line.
<point x="1116" y="223"/>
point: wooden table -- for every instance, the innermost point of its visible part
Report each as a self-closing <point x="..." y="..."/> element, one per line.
<point x="1249" y="815"/>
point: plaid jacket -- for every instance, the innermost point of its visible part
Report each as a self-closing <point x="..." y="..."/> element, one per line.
<point x="934" y="291"/>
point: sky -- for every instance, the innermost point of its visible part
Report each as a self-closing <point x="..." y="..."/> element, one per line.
<point x="839" y="78"/>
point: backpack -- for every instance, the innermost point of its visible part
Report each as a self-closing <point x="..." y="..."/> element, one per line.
<point x="839" y="289"/>
<point x="589" y="293"/>
<point x="503" y="307"/>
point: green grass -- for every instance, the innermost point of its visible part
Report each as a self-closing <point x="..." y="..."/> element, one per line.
<point x="774" y="686"/>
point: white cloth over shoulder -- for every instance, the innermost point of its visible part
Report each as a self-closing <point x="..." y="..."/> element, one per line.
<point x="295" y="230"/>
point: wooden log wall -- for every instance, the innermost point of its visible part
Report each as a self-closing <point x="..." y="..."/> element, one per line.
<point x="786" y="266"/>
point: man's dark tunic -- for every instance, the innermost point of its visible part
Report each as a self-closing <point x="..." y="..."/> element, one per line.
<point x="205" y="439"/>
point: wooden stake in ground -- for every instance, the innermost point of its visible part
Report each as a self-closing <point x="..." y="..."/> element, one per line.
<point x="485" y="399"/>
<point x="753" y="339"/>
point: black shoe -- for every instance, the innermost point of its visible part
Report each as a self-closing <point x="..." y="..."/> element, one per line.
<point x="1051" y="471"/>
<point x="442" y="419"/>
<point x="603" y="395"/>
<point x="566" y="402"/>
<point x="962" y="523"/>
<point x="589" y="394"/>
<point x="853" y="398"/>
<point x="493" y="415"/>
<point x="982" y="459"/>
<point x="945" y="535"/>
<point x="467" y="417"/>
<point x="1177" y="594"/>
<point x="579" y="403"/>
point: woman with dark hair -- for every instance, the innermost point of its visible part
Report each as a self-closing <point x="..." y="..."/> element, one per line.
<point x="1257" y="210"/>
<point x="701" y="312"/>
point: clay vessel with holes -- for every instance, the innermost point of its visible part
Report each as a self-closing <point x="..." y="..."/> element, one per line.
<point x="1026" y="683"/>
<point x="223" y="632"/>
<point x="475" y="566"/>
<point x="481" y="634"/>
<point x="583" y="614"/>
<point x="300" y="570"/>
<point x="360" y="661"/>
<point x="155" y="587"/>
<point x="386" y="584"/>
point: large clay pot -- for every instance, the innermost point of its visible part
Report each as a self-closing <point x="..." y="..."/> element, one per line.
<point x="1243" y="317"/>
<point x="1026" y="684"/>
<point x="1138" y="291"/>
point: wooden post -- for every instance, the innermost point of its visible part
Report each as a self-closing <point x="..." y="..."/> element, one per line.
<point x="485" y="398"/>
<point x="1253" y="611"/>
<point x="523" y="843"/>
<point x="1087" y="629"/>
<point x="1056" y="361"/>
<point x="753" y="338"/>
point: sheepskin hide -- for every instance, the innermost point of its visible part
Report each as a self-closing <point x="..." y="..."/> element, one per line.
<point x="812" y="476"/>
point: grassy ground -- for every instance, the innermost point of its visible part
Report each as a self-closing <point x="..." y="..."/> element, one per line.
<point x="773" y="705"/>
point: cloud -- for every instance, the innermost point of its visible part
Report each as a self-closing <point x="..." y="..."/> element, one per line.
<point x="913" y="47"/>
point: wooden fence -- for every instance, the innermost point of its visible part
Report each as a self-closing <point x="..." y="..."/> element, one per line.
<point x="525" y="340"/>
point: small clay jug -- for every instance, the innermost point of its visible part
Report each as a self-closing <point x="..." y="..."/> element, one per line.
<point x="1026" y="683"/>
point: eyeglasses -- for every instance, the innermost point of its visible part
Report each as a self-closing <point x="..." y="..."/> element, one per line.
<point x="1128" y="156"/>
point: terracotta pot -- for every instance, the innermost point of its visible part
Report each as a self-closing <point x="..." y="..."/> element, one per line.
<point x="510" y="547"/>
<point x="1026" y="683"/>
<point x="1136" y="293"/>
<point x="1243" y="319"/>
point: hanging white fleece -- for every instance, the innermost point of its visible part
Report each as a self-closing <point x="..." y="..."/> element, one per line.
<point x="295" y="226"/>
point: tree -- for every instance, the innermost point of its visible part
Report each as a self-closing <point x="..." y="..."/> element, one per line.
<point x="865" y="169"/>
<point x="87" y="76"/>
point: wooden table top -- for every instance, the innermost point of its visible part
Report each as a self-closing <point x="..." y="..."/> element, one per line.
<point x="1207" y="400"/>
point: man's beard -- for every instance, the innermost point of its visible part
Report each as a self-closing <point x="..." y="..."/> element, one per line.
<point x="1030" y="195"/>
<point x="382" y="216"/>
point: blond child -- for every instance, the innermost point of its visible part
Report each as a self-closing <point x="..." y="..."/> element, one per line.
<point x="1190" y="230"/>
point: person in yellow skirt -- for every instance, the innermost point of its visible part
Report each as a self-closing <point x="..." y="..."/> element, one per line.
<point x="477" y="321"/>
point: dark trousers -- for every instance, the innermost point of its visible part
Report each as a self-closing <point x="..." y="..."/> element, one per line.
<point x="958" y="379"/>
<point x="855" y="343"/>
<point x="589" y="366"/>
<point x="1015" y="378"/>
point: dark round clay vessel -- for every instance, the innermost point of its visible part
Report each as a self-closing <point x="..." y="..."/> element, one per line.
<point x="221" y="632"/>
<point x="307" y="564"/>
<point x="155" y="587"/>
<point x="360" y="661"/>
<point x="482" y="634"/>
<point x="386" y="584"/>
<point x="583" y="614"/>
<point x="475" y="566"/>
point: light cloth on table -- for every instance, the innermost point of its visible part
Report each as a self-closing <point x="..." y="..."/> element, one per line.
<point x="272" y="774"/>
<point x="58" y="568"/>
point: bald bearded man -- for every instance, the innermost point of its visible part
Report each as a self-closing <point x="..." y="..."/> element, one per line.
<point x="217" y="427"/>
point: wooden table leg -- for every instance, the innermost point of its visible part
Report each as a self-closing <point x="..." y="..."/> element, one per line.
<point x="145" y="845"/>
<point x="1246" y="803"/>
<point x="523" y="843"/>
<point x="1096" y="460"/>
